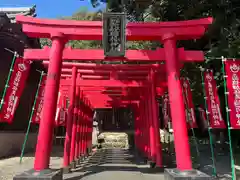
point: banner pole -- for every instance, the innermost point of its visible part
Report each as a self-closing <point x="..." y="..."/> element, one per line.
<point x="228" y="121"/>
<point x="8" y="79"/>
<point x="196" y="144"/>
<point x="209" y="128"/>
<point x="30" y="119"/>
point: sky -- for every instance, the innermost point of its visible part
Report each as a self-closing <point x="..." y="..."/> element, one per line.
<point x="51" y="8"/>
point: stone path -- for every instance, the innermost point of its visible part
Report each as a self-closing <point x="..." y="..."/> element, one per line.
<point x="118" y="164"/>
<point x="108" y="164"/>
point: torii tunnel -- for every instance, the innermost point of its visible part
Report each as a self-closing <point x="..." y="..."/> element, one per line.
<point x="90" y="86"/>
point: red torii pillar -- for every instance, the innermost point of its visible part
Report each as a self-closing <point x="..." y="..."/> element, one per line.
<point x="78" y="116"/>
<point x="83" y="126"/>
<point x="181" y="142"/>
<point x="149" y="119"/>
<point x="81" y="123"/>
<point x="90" y="127"/>
<point x="86" y="124"/>
<point x="75" y="154"/>
<point x="45" y="135"/>
<point x="136" y="115"/>
<point x="158" y="147"/>
<point x="75" y="122"/>
<point x="145" y="128"/>
<point x="69" y="124"/>
<point x="139" y="114"/>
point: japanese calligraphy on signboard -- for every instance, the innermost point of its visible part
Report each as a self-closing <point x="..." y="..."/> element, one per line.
<point x="114" y="36"/>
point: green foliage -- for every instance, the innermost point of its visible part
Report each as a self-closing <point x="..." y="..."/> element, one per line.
<point x="84" y="15"/>
<point x="222" y="38"/>
<point x="45" y="42"/>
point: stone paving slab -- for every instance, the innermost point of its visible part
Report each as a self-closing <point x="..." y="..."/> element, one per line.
<point x="117" y="164"/>
<point x="114" y="164"/>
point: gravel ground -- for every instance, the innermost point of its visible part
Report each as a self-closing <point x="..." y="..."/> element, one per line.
<point x="222" y="160"/>
<point x="9" y="167"/>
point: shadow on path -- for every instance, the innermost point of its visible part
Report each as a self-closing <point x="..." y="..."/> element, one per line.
<point x="115" y="164"/>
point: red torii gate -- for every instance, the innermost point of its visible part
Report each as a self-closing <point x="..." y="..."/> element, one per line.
<point x="115" y="83"/>
<point x="155" y="151"/>
<point x="126" y="72"/>
<point x="121" y="72"/>
<point x="86" y="86"/>
<point x="61" y="31"/>
<point x="73" y="151"/>
<point x="109" y="83"/>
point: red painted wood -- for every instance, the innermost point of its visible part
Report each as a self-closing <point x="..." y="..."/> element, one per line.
<point x="98" y="55"/>
<point x="106" y="72"/>
<point x="67" y="157"/>
<point x="45" y="135"/>
<point x="114" y="83"/>
<point x="181" y="141"/>
<point x="92" y="30"/>
<point x="113" y="67"/>
<point x="103" y="97"/>
<point x="105" y="83"/>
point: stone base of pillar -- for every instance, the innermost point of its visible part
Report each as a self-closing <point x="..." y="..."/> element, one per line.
<point x="174" y="174"/>
<point x="152" y="164"/>
<point x="159" y="169"/>
<point x="89" y="151"/>
<point x="84" y="157"/>
<point x="142" y="156"/>
<point x="156" y="170"/>
<point x="78" y="161"/>
<point x="66" y="170"/>
<point x="81" y="159"/>
<point x="47" y="174"/>
<point x="73" y="165"/>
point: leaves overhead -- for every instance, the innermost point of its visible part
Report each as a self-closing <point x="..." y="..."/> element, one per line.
<point x="222" y="38"/>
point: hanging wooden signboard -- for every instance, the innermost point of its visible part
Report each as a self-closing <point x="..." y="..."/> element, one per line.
<point x="114" y="34"/>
